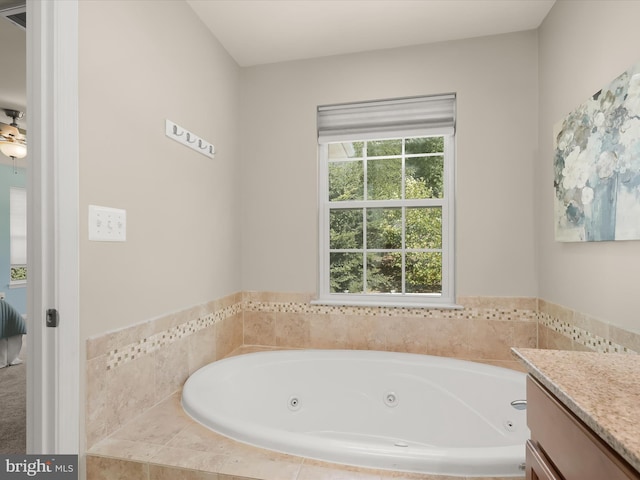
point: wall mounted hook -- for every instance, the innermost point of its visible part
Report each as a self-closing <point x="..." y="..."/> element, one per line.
<point x="185" y="137"/>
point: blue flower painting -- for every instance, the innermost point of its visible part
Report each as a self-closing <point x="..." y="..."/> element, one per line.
<point x="597" y="165"/>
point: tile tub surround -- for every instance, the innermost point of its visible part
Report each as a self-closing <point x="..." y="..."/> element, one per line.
<point x="560" y="328"/>
<point x="163" y="443"/>
<point x="130" y="370"/>
<point x="484" y="330"/>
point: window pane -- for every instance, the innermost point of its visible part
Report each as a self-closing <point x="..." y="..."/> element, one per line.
<point x="424" y="177"/>
<point x="384" y="148"/>
<point x="346" y="181"/>
<point x="345" y="150"/>
<point x="18" y="274"/>
<point x="345" y="229"/>
<point x="424" y="145"/>
<point x="384" y="228"/>
<point x="384" y="179"/>
<point x="424" y="272"/>
<point x="424" y="227"/>
<point x="345" y="272"/>
<point x="384" y="272"/>
<point x="18" y="225"/>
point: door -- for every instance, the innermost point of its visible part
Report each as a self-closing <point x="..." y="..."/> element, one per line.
<point x="52" y="186"/>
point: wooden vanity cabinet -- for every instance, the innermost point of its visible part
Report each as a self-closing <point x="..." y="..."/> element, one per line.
<point x="562" y="447"/>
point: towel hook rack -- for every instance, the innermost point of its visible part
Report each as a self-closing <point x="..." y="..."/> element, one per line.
<point x="185" y="137"/>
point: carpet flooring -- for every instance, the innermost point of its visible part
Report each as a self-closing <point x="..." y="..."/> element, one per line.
<point x="13" y="402"/>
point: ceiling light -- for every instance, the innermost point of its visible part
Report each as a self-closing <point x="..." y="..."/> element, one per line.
<point x="13" y="140"/>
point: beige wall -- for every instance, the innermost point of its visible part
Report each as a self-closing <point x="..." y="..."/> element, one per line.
<point x="583" y="46"/>
<point x="495" y="79"/>
<point x="140" y="63"/>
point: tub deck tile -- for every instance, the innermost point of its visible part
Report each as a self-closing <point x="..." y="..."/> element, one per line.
<point x="164" y="443"/>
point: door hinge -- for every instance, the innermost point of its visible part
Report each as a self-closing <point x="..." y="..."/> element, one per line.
<point x="52" y="317"/>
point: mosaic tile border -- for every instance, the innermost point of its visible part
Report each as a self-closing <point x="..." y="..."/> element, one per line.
<point x="582" y="336"/>
<point x="505" y="314"/>
<point x="148" y="345"/>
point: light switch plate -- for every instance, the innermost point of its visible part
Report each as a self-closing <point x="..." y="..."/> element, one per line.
<point x="107" y="224"/>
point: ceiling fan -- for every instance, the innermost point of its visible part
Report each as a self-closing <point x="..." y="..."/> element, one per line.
<point x="13" y="139"/>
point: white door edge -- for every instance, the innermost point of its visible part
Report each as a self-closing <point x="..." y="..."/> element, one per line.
<point x="53" y="388"/>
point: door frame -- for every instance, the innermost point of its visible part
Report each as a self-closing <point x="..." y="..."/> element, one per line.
<point x="53" y="357"/>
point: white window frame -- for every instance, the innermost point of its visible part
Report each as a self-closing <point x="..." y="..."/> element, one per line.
<point x="447" y="298"/>
<point x="17" y="232"/>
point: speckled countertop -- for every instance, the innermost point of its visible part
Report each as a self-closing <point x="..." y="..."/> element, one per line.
<point x="602" y="389"/>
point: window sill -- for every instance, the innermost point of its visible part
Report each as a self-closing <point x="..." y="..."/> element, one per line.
<point x="390" y="304"/>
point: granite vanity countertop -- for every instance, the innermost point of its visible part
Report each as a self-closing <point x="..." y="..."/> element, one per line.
<point x="601" y="389"/>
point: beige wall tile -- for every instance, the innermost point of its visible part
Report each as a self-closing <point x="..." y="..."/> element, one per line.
<point x="328" y="331"/>
<point x="365" y="332"/>
<point x="159" y="472"/>
<point x="158" y="425"/>
<point x="125" y="449"/>
<point x="292" y="330"/>
<point x="174" y="319"/>
<point x="333" y="472"/>
<point x="130" y="389"/>
<point x="508" y="303"/>
<point x="591" y="325"/>
<point x="171" y="365"/>
<point x="127" y="336"/>
<point x="628" y="339"/>
<point x="225" y="302"/>
<point x="557" y="311"/>
<point x="490" y="339"/>
<point x="259" y="328"/>
<point x="277" y="297"/>
<point x="524" y="334"/>
<point x="272" y="466"/>
<point x="101" y="468"/>
<point x="228" y="335"/>
<point x="202" y="348"/>
<point x="189" y="459"/>
<point x="97" y="346"/>
<point x="405" y="334"/>
<point x="199" y="438"/>
<point x="97" y="418"/>
<point x="447" y="337"/>
<point x="551" y="340"/>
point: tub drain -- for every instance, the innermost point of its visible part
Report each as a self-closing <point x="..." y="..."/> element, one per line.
<point x="391" y="399"/>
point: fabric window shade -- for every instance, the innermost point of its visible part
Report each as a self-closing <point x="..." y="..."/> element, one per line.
<point x="18" y="225"/>
<point x="406" y="117"/>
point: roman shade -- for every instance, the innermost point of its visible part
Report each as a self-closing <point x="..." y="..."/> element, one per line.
<point x="404" y="117"/>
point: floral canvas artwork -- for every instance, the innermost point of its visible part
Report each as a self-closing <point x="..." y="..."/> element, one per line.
<point x="597" y="165"/>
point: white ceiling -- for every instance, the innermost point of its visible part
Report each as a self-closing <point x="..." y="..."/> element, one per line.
<point x="13" y="75"/>
<point x="257" y="32"/>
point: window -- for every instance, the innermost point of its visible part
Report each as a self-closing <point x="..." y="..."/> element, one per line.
<point x="387" y="202"/>
<point x="18" y="235"/>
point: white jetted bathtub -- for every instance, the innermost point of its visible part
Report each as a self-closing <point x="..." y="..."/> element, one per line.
<point x="396" y="411"/>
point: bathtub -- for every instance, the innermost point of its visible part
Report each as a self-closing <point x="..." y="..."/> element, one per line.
<point x="396" y="411"/>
